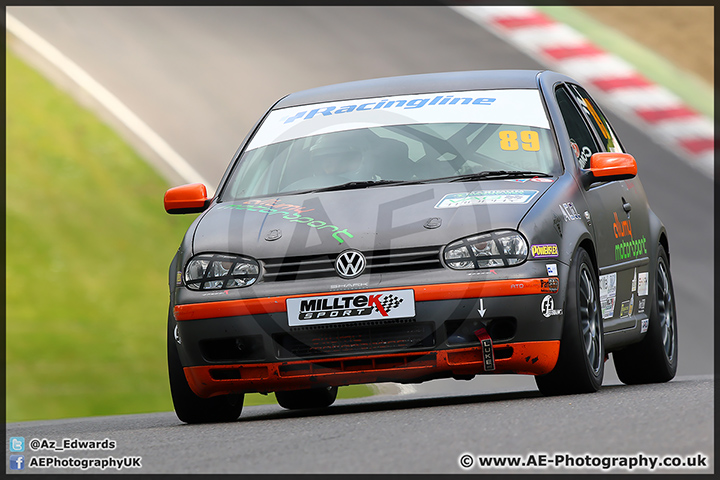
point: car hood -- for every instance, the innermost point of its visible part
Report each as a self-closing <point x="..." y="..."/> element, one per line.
<point x="365" y="219"/>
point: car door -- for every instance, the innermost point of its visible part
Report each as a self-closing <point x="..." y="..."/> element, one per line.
<point x="617" y="209"/>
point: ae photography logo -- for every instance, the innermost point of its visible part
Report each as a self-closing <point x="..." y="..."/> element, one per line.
<point x="543" y="461"/>
<point x="23" y="462"/>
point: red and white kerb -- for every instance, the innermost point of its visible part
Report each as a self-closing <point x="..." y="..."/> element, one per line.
<point x="651" y="107"/>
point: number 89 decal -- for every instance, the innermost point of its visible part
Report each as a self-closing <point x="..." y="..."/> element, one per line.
<point x="509" y="140"/>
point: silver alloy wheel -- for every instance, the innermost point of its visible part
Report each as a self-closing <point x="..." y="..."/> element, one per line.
<point x="666" y="310"/>
<point x="590" y="319"/>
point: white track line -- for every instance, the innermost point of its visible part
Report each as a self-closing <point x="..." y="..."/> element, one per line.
<point x="107" y="100"/>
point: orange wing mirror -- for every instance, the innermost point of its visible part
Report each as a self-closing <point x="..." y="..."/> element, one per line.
<point x="606" y="167"/>
<point x="186" y="199"/>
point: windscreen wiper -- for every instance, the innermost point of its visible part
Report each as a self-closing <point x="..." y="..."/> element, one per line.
<point x="454" y="178"/>
<point x="493" y="174"/>
<point x="362" y="184"/>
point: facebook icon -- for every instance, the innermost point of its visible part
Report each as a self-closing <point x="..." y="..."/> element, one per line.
<point x="17" y="462"/>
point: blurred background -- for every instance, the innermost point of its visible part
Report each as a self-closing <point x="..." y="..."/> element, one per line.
<point x="88" y="243"/>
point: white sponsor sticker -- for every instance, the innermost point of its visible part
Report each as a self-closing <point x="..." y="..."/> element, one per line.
<point x="487" y="197"/>
<point x="608" y="291"/>
<point x="569" y="212"/>
<point x="634" y="281"/>
<point x="547" y="307"/>
<point x="350" y="307"/>
<point x="511" y="106"/>
<point x="642" y="287"/>
<point x="644" y="325"/>
<point x="552" y="269"/>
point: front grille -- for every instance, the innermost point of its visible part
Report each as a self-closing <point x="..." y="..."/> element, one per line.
<point x="318" y="367"/>
<point x="378" y="261"/>
<point x="369" y="338"/>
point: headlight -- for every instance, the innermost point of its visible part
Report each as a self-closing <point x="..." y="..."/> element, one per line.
<point x="502" y="248"/>
<point x="217" y="271"/>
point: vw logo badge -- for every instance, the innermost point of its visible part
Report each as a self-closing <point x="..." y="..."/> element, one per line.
<point x="350" y="264"/>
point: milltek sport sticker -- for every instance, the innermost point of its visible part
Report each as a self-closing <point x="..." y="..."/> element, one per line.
<point x="487" y="197"/>
<point x="353" y="307"/>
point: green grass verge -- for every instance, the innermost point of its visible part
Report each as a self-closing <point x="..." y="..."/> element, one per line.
<point x="88" y="246"/>
<point x="689" y="88"/>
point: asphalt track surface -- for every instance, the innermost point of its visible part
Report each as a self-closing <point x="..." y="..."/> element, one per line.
<point x="408" y="434"/>
<point x="201" y="77"/>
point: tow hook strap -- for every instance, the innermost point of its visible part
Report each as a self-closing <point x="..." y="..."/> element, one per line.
<point x="487" y="348"/>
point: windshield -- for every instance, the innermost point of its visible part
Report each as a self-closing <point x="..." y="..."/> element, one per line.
<point x="411" y="138"/>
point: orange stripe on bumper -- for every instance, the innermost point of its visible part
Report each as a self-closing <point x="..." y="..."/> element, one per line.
<point x="531" y="358"/>
<point x="423" y="293"/>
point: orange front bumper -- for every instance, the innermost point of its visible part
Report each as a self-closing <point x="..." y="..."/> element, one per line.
<point x="531" y="358"/>
<point x="423" y="293"/>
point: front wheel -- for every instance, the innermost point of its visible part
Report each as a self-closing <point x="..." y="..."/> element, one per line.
<point x="190" y="408"/>
<point x="311" y="398"/>
<point x="654" y="359"/>
<point x="581" y="362"/>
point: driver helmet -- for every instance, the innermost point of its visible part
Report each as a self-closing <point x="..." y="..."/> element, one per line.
<point x="335" y="154"/>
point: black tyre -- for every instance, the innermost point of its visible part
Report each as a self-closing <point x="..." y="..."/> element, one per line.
<point x="654" y="359"/>
<point x="190" y="408"/>
<point x="581" y="362"/>
<point x="311" y="398"/>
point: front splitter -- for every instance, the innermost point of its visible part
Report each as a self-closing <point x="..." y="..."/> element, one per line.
<point x="530" y="358"/>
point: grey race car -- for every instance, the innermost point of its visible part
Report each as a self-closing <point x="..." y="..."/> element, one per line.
<point x="411" y="228"/>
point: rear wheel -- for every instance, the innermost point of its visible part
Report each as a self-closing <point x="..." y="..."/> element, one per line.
<point x="654" y="359"/>
<point x="311" y="398"/>
<point x="190" y="408"/>
<point x="581" y="362"/>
